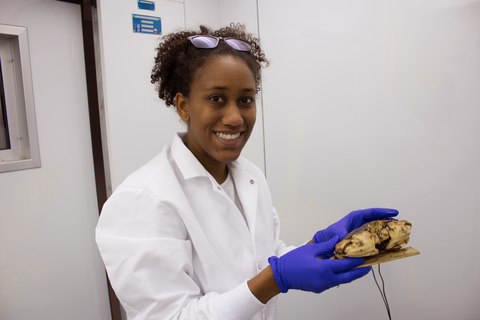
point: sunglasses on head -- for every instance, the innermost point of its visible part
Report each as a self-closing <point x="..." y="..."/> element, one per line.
<point x="211" y="42"/>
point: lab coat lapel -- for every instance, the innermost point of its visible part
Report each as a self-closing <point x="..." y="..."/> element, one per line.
<point x="247" y="189"/>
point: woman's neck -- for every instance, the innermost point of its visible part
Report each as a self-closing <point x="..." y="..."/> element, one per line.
<point x="218" y="171"/>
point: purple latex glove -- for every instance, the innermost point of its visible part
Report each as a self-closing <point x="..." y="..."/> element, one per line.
<point x="352" y="221"/>
<point x="301" y="268"/>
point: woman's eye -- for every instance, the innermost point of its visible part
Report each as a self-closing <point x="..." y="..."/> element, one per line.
<point x="216" y="99"/>
<point x="246" y="100"/>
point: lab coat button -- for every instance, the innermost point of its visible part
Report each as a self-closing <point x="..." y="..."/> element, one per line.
<point x="252" y="182"/>
<point x="260" y="266"/>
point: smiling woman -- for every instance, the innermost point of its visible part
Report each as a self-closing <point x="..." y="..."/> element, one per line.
<point x="193" y="234"/>
<point x="220" y="112"/>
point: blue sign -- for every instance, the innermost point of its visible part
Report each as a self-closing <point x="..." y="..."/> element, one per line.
<point x="146" y="24"/>
<point x="146" y="5"/>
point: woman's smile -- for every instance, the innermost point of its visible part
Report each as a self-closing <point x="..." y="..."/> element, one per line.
<point x="229" y="138"/>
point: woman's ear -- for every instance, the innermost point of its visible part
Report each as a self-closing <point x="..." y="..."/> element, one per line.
<point x="181" y="104"/>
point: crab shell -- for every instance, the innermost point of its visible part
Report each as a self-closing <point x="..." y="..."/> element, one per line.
<point x="373" y="237"/>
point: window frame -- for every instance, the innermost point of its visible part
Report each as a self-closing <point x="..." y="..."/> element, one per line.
<point x="4" y="132"/>
<point x="24" y="152"/>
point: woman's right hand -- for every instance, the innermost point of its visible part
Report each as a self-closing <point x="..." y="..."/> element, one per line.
<point x="301" y="268"/>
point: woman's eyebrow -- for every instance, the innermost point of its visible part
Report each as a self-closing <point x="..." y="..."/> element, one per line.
<point x="216" y="88"/>
<point x="225" y="89"/>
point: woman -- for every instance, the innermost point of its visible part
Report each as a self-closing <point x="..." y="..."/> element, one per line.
<point x="193" y="234"/>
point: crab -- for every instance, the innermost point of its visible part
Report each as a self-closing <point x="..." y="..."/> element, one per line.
<point x="373" y="237"/>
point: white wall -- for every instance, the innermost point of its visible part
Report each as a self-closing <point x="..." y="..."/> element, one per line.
<point x="207" y="12"/>
<point x="138" y="123"/>
<point x="49" y="264"/>
<point x="376" y="103"/>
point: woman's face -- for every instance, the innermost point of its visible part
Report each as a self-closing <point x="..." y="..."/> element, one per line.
<point x="220" y="110"/>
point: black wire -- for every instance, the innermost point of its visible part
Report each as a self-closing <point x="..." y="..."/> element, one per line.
<point x="382" y="293"/>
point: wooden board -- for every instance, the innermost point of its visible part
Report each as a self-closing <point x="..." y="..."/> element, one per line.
<point x="389" y="256"/>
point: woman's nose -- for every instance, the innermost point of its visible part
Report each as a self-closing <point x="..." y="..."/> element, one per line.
<point x="232" y="116"/>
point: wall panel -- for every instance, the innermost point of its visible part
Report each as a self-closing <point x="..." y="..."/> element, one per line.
<point x="375" y="103"/>
<point x="49" y="264"/>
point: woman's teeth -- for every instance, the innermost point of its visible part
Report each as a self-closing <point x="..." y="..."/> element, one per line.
<point x="227" y="136"/>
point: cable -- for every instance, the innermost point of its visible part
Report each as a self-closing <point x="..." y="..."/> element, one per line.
<point x="384" y="296"/>
<point x="384" y="293"/>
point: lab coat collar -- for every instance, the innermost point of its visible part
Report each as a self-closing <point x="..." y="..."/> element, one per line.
<point x="188" y="164"/>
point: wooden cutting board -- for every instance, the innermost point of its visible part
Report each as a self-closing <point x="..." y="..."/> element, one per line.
<point x="389" y="256"/>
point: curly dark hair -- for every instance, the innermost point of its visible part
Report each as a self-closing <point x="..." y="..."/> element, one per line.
<point x="175" y="66"/>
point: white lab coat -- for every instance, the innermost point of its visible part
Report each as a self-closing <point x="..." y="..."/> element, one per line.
<point x="175" y="246"/>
